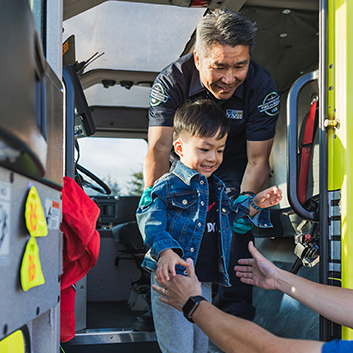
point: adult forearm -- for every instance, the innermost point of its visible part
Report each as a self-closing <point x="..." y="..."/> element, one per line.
<point x="155" y="165"/>
<point x="334" y="303"/>
<point x="233" y="334"/>
<point x="255" y="176"/>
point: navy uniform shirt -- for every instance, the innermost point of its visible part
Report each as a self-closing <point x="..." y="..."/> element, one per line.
<point x="252" y="110"/>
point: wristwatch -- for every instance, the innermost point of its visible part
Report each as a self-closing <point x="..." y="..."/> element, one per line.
<point x="191" y="305"/>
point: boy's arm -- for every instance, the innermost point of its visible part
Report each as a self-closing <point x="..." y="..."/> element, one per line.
<point x="248" y="207"/>
<point x="264" y="199"/>
<point x="151" y="218"/>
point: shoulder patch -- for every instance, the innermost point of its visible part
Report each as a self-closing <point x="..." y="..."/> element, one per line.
<point x="269" y="104"/>
<point x="157" y="95"/>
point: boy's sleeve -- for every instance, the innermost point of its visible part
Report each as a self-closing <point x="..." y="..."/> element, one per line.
<point x="146" y="198"/>
<point x="241" y="226"/>
<point x="243" y="222"/>
<point x="151" y="218"/>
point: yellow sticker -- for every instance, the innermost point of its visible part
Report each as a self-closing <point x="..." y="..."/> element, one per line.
<point x="31" y="269"/>
<point x="13" y="343"/>
<point x="34" y="214"/>
<point x="65" y="47"/>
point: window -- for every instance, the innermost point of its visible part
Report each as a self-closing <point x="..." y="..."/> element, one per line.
<point x="118" y="162"/>
<point x="38" y="9"/>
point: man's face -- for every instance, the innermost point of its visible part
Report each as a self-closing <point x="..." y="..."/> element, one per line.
<point x="224" y="69"/>
<point x="203" y="154"/>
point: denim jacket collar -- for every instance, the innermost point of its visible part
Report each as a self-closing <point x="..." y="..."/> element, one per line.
<point x="186" y="174"/>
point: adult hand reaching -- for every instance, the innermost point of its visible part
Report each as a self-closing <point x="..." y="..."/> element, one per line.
<point x="257" y="271"/>
<point x="178" y="289"/>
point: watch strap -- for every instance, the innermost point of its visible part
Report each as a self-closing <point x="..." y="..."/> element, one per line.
<point x="191" y="305"/>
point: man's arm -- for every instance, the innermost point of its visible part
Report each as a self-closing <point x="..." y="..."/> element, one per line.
<point x="257" y="169"/>
<point x="334" y="303"/>
<point x="228" y="332"/>
<point x="160" y="139"/>
<point x="233" y="334"/>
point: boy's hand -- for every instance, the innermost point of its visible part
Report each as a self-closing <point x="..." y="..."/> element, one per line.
<point x="267" y="198"/>
<point x="166" y="262"/>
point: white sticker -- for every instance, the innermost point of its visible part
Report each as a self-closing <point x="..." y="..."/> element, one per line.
<point x="5" y="197"/>
<point x="52" y="214"/>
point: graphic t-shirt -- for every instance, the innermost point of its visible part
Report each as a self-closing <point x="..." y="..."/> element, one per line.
<point x="208" y="257"/>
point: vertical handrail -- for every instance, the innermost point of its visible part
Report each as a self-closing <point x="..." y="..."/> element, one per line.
<point x="324" y="273"/>
<point x="292" y="147"/>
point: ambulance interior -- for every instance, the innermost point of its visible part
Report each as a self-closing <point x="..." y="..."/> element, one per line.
<point x="116" y="49"/>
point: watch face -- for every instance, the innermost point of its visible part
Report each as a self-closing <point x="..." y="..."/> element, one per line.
<point x="191" y="305"/>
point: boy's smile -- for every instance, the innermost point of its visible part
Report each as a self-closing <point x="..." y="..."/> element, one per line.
<point x="203" y="154"/>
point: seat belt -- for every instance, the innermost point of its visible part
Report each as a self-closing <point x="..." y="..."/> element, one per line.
<point x="307" y="147"/>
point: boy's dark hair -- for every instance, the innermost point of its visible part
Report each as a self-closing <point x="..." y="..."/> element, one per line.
<point x="200" y="118"/>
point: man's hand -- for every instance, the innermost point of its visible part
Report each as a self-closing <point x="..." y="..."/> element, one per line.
<point x="180" y="288"/>
<point x="166" y="262"/>
<point x="257" y="271"/>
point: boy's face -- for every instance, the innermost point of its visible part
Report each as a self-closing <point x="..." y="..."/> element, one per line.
<point x="203" y="154"/>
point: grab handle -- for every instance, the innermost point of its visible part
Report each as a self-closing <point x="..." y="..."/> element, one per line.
<point x="292" y="147"/>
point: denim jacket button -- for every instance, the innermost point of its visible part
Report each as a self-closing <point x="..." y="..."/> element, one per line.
<point x="184" y="202"/>
<point x="224" y="210"/>
<point x="185" y="272"/>
<point x="192" y="249"/>
<point x="202" y="203"/>
<point x="201" y="182"/>
<point x="199" y="224"/>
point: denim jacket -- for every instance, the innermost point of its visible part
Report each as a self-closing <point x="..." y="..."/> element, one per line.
<point x="175" y="217"/>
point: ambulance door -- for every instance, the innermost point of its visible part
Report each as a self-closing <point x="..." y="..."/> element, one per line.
<point x="31" y="174"/>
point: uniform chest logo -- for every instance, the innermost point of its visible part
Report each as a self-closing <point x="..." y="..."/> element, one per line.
<point x="270" y="104"/>
<point x="234" y="114"/>
<point x="157" y="95"/>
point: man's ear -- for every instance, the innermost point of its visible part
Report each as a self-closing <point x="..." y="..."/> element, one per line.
<point x="178" y="147"/>
<point x="197" y="60"/>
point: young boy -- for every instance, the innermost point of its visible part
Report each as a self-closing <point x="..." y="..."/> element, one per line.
<point x="188" y="214"/>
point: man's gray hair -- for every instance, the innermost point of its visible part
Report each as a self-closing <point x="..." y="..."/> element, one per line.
<point x="224" y="27"/>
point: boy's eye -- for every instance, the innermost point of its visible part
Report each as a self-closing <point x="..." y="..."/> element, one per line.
<point x="220" y="151"/>
<point x="204" y="149"/>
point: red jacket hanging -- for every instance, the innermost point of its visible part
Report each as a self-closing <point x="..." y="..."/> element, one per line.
<point x="80" y="248"/>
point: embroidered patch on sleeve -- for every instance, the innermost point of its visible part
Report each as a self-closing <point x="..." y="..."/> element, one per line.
<point x="270" y="104"/>
<point x="157" y="95"/>
<point x="234" y="114"/>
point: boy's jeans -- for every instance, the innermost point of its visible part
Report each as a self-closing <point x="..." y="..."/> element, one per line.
<point x="174" y="333"/>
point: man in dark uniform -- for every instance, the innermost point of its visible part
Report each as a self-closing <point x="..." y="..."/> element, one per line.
<point x="221" y="69"/>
